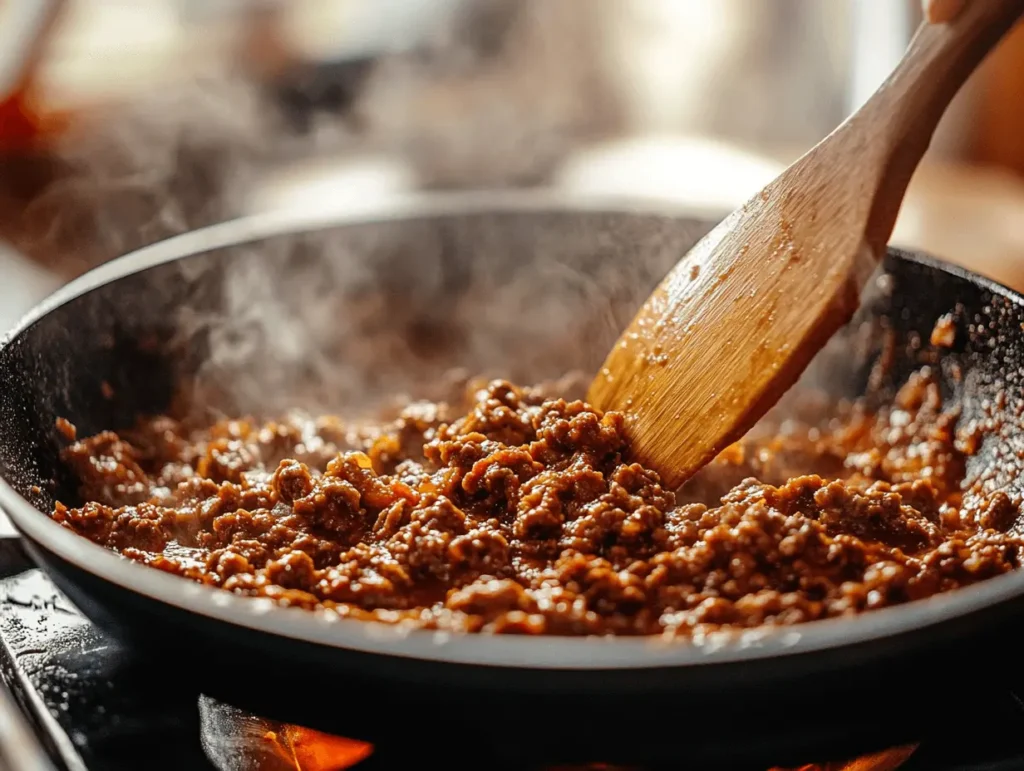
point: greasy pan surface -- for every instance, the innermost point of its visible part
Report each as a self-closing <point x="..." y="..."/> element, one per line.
<point x="272" y="313"/>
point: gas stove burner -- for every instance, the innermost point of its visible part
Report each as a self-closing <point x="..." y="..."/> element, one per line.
<point x="94" y="705"/>
<point x="237" y="740"/>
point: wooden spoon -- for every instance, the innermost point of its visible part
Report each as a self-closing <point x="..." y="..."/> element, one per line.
<point x="740" y="317"/>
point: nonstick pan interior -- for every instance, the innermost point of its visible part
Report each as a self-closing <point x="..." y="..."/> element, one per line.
<point x="263" y="316"/>
<point x="339" y="319"/>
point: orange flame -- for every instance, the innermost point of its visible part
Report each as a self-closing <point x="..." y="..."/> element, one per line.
<point x="888" y="760"/>
<point x="310" y="750"/>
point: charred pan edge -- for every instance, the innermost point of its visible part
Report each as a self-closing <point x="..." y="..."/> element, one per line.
<point x="554" y="653"/>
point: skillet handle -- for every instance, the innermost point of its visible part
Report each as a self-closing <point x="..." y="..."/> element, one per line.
<point x="13" y="557"/>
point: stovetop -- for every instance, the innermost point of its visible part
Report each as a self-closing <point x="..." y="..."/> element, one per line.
<point x="93" y="706"/>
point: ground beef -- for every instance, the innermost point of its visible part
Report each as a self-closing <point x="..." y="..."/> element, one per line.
<point x="519" y="513"/>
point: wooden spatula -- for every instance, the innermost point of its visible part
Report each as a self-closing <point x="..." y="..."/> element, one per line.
<point x="740" y="317"/>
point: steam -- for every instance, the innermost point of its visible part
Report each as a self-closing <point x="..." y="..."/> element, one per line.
<point x="340" y="319"/>
<point x="348" y="319"/>
<point x="500" y="96"/>
<point x="174" y="160"/>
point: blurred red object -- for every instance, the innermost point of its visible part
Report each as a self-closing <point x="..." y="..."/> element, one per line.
<point x="25" y="125"/>
<point x="26" y="27"/>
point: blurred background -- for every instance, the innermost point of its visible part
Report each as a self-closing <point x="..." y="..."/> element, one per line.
<point x="125" y="121"/>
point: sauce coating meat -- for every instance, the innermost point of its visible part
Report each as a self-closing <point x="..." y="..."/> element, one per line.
<point x="519" y="513"/>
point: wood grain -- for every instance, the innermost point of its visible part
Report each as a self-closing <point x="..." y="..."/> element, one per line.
<point x="739" y="318"/>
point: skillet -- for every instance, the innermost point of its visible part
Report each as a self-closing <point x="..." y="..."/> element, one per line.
<point x="276" y="311"/>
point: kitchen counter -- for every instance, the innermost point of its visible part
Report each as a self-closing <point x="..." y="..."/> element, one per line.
<point x="970" y="216"/>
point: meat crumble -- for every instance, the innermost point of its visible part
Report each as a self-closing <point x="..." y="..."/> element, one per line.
<point x="517" y="512"/>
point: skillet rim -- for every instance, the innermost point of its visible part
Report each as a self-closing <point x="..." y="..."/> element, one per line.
<point x="325" y="629"/>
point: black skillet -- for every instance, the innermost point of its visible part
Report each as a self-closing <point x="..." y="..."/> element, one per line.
<point x="526" y="286"/>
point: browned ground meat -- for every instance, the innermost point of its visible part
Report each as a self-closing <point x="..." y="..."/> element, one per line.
<point x="516" y="513"/>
